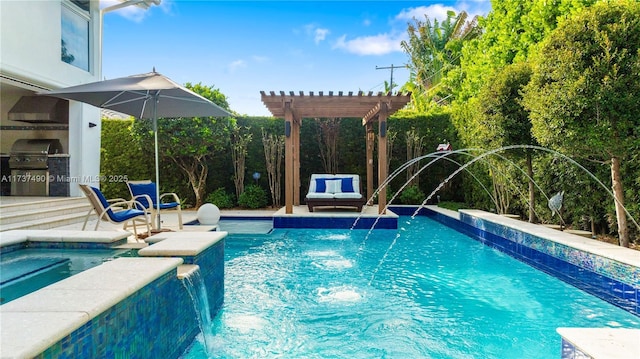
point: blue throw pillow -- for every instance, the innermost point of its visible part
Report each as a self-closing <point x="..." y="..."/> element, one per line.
<point x="321" y="185"/>
<point x="347" y="185"/>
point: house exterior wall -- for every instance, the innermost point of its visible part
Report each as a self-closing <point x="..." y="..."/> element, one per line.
<point x="30" y="61"/>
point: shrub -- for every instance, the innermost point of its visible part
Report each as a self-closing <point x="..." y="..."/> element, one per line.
<point x="412" y="195"/>
<point x="253" y="197"/>
<point x="454" y="206"/>
<point x="220" y="198"/>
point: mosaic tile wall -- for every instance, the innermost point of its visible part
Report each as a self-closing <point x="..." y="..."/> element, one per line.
<point x="60" y="245"/>
<point x="156" y="322"/>
<point x="211" y="262"/>
<point x="612" y="281"/>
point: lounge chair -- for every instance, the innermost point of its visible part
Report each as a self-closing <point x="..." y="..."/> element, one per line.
<point x="335" y="191"/>
<point x="115" y="210"/>
<point x="145" y="193"/>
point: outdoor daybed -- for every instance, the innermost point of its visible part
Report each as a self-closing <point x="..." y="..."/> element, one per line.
<point x="335" y="190"/>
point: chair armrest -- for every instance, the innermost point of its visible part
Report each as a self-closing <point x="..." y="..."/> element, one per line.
<point x="116" y="200"/>
<point x="118" y="204"/>
<point x="146" y="197"/>
<point x="175" y="197"/>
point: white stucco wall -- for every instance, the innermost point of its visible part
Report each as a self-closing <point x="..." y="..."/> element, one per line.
<point x="30" y="36"/>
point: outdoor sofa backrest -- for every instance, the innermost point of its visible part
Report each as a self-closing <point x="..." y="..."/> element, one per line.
<point x="338" y="183"/>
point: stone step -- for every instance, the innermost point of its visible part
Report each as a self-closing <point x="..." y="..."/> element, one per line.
<point x="18" y="216"/>
<point x="42" y="213"/>
<point x="8" y="204"/>
<point x="53" y="221"/>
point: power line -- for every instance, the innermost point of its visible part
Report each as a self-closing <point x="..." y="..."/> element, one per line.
<point x="391" y="67"/>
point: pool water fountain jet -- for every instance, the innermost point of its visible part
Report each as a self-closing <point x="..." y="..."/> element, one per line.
<point x="195" y="286"/>
<point x="435" y="157"/>
<point x="487" y="153"/>
<point x="382" y="260"/>
<point x="452" y="175"/>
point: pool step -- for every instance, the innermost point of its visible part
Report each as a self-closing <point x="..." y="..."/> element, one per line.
<point x="43" y="214"/>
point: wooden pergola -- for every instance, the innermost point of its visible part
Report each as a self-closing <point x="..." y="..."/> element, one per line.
<point x="293" y="108"/>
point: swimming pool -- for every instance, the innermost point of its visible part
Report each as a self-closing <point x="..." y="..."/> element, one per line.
<point x="437" y="294"/>
<point x="27" y="270"/>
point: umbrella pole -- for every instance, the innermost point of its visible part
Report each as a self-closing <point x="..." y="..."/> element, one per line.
<point x="155" y="140"/>
<point x="155" y="135"/>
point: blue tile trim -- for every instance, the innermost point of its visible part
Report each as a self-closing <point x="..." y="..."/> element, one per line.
<point x="334" y="223"/>
<point x="13" y="247"/>
<point x="408" y="211"/>
<point x="195" y="222"/>
<point x="609" y="280"/>
<point x="247" y="218"/>
<point x="60" y="245"/>
<point x="75" y="245"/>
<point x="157" y="321"/>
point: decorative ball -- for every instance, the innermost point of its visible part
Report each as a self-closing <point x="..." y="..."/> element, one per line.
<point x="208" y="214"/>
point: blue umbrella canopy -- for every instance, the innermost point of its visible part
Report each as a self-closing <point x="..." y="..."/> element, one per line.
<point x="149" y="96"/>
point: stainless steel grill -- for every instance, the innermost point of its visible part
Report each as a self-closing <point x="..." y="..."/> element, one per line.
<point x="28" y="162"/>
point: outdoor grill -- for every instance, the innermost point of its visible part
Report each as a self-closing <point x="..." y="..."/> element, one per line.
<point x="28" y="162"/>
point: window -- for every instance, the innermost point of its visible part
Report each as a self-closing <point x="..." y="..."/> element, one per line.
<point x="75" y="33"/>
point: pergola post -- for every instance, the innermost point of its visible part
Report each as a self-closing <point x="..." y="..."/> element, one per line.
<point x="370" y="143"/>
<point x="295" y="134"/>
<point x="382" y="157"/>
<point x="288" y="158"/>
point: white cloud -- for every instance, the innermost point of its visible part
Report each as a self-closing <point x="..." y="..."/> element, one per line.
<point x="237" y="64"/>
<point x="370" y="45"/>
<point x="439" y="11"/>
<point x="474" y="7"/>
<point x="436" y="11"/>
<point x="318" y="33"/>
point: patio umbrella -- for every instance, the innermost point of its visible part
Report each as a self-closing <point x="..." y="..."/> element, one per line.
<point x="149" y="96"/>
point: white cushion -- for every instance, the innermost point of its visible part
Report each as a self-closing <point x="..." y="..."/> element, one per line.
<point x="350" y="195"/>
<point x="320" y="195"/>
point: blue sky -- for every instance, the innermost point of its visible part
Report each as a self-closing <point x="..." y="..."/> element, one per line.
<point x="243" y="47"/>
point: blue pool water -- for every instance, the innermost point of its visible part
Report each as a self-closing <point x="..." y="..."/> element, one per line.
<point x="27" y="270"/>
<point x="437" y="294"/>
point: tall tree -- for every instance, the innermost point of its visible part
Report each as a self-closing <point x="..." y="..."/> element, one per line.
<point x="584" y="96"/>
<point x="190" y="142"/>
<point x="504" y="118"/>
<point x="415" y="149"/>
<point x="273" y="154"/>
<point x="511" y="31"/>
<point x="327" y="139"/>
<point x="240" y="140"/>
<point x="434" y="49"/>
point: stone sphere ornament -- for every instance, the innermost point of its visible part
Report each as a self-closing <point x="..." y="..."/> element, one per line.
<point x="208" y="214"/>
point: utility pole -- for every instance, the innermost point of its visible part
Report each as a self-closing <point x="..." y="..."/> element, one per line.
<point x="390" y="67"/>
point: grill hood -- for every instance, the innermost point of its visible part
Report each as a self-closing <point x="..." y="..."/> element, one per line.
<point x="40" y="109"/>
